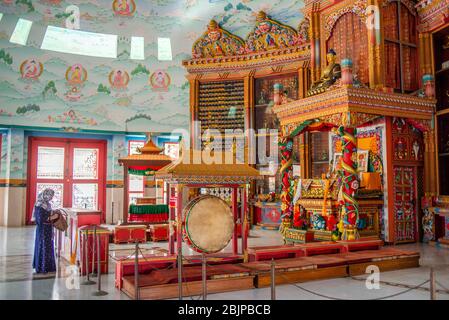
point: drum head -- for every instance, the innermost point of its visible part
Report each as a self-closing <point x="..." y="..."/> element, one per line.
<point x="208" y="224"/>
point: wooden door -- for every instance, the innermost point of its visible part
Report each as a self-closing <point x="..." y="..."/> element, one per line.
<point x="405" y="203"/>
<point x="74" y="168"/>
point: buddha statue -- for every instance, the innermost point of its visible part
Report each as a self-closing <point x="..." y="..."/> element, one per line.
<point x="329" y="75"/>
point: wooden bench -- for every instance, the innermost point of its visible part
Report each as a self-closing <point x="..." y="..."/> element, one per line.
<point x="274" y="252"/>
<point x="148" y="263"/>
<point x="316" y="248"/>
<point x="360" y="245"/>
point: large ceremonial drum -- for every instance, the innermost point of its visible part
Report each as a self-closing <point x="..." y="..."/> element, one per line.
<point x="208" y="224"/>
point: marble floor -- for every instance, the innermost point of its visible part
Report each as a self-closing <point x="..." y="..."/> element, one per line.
<point x="18" y="282"/>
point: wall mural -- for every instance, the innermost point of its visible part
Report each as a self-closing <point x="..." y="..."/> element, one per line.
<point x="49" y="89"/>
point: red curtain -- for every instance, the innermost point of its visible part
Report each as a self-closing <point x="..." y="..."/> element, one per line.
<point x="408" y="25"/>
<point x="392" y="67"/>
<point x="349" y="39"/>
<point x="390" y="21"/>
<point x="408" y="39"/>
<point x="409" y="53"/>
<point x="410" y="68"/>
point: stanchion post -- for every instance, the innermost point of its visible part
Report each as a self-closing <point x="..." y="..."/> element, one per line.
<point x="180" y="273"/>
<point x="433" y="293"/>
<point x="93" y="251"/>
<point x="85" y="264"/>
<point x="136" y="272"/>
<point x="204" y="276"/>
<point x="99" y="292"/>
<point x="273" y="280"/>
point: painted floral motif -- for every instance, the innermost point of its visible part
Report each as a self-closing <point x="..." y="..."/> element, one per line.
<point x="216" y="42"/>
<point x="427" y="225"/>
<point x="269" y="34"/>
<point x="72" y="117"/>
<point x="400" y="148"/>
<point x="304" y="31"/>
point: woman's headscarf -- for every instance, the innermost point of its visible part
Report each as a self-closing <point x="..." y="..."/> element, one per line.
<point x="44" y="198"/>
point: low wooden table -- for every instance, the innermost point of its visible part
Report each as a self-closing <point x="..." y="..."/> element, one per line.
<point x="130" y="233"/>
<point x="67" y="243"/>
<point x="159" y="232"/>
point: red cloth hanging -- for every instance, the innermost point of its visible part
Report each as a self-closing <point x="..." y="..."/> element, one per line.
<point x="353" y="45"/>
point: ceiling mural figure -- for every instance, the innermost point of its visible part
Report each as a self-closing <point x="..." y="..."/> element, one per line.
<point x="159" y="80"/>
<point x="146" y="94"/>
<point x="119" y="79"/>
<point x="31" y="69"/>
<point x="125" y="8"/>
<point x="75" y="77"/>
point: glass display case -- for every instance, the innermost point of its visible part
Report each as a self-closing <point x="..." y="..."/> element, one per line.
<point x="265" y="118"/>
<point x="443" y="153"/>
<point x="441" y="54"/>
<point x="263" y="96"/>
<point x="319" y="154"/>
<point x="221" y="105"/>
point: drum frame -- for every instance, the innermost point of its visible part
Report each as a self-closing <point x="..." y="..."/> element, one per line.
<point x="185" y="231"/>
<point x="175" y="199"/>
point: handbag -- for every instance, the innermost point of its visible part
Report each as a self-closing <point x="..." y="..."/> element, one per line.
<point x="60" y="223"/>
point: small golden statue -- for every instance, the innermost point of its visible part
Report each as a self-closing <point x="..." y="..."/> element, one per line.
<point x="329" y="75"/>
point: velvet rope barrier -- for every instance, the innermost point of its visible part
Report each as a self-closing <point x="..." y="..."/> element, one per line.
<point x="350" y="207"/>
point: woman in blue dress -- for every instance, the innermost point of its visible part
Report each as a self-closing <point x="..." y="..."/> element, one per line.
<point x="44" y="255"/>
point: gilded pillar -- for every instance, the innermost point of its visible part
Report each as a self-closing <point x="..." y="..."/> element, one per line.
<point x="248" y="85"/>
<point x="303" y="80"/>
<point x="374" y="44"/>
<point x="315" y="42"/>
<point x="430" y="181"/>
<point x="173" y="222"/>
<point x="425" y="53"/>
<point x="194" y="93"/>
<point x="304" y="154"/>
<point x="235" y="212"/>
<point x="179" y="217"/>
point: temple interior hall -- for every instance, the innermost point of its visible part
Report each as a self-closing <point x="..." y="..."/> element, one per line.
<point x="224" y="150"/>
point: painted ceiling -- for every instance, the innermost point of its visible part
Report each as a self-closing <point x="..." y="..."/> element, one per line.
<point x="40" y="88"/>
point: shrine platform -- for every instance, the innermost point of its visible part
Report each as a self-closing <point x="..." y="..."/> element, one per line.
<point x="315" y="261"/>
<point x="311" y="249"/>
<point x="149" y="263"/>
